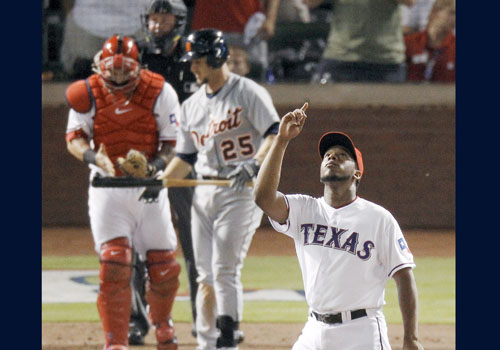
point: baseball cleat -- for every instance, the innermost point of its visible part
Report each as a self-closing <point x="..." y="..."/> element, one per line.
<point x="135" y="337"/>
<point x="165" y="335"/>
<point x="116" y="347"/>
<point x="239" y="336"/>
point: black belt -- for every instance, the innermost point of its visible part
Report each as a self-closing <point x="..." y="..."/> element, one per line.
<point x="337" y="318"/>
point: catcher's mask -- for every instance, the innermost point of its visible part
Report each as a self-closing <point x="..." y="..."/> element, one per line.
<point x="117" y="64"/>
<point x="206" y="42"/>
<point x="162" y="42"/>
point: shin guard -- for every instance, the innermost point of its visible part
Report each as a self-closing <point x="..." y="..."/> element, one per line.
<point x="114" y="298"/>
<point x="161" y="290"/>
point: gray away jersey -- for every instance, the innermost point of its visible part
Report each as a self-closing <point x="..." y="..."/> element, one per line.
<point x="227" y="128"/>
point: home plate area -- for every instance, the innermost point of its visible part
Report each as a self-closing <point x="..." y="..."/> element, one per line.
<point x="76" y="286"/>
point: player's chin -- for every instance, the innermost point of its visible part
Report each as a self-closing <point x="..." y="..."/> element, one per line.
<point x="200" y="80"/>
<point x="327" y="172"/>
<point x="333" y="177"/>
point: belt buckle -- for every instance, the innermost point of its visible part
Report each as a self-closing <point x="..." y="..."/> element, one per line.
<point x="329" y="318"/>
<point x="332" y="318"/>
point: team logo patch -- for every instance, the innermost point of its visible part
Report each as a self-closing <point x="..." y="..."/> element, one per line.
<point x="173" y="120"/>
<point x="402" y="243"/>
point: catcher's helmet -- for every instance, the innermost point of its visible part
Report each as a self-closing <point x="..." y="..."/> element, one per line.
<point x="117" y="64"/>
<point x="165" y="42"/>
<point x="207" y="42"/>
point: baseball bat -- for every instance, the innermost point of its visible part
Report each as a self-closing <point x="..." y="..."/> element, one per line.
<point x="99" y="181"/>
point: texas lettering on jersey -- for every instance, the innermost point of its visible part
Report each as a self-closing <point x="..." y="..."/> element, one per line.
<point x="217" y="127"/>
<point x="330" y="237"/>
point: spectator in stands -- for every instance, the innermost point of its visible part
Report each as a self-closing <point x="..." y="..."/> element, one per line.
<point x="415" y="18"/>
<point x="365" y="43"/>
<point x="293" y="11"/>
<point x="238" y="61"/>
<point x="249" y="23"/>
<point x="89" y="23"/>
<point x="430" y="54"/>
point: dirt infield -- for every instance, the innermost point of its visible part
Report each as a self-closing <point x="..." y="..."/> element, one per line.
<point x="262" y="336"/>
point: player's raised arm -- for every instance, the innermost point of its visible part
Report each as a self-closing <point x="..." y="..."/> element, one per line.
<point x="266" y="193"/>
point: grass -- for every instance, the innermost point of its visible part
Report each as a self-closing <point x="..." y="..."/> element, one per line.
<point x="435" y="279"/>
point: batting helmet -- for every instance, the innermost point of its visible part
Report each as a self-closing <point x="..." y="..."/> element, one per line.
<point x="207" y="42"/>
<point x="165" y="42"/>
<point x="117" y="64"/>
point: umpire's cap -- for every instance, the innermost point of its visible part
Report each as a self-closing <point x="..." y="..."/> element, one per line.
<point x="206" y="42"/>
<point x="334" y="138"/>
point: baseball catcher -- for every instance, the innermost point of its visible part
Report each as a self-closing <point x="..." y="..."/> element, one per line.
<point x="128" y="114"/>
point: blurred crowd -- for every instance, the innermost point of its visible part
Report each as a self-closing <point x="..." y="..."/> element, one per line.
<point x="318" y="41"/>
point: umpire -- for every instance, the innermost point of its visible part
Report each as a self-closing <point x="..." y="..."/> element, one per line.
<point x="164" y="23"/>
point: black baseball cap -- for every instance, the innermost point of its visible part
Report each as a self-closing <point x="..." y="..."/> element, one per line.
<point x="334" y="138"/>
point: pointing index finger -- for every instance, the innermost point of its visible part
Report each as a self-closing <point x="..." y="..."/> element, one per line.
<point x="304" y="107"/>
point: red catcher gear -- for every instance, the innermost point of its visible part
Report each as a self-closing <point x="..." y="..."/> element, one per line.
<point x="161" y="289"/>
<point x="118" y="65"/>
<point x="115" y="294"/>
<point x="118" y="123"/>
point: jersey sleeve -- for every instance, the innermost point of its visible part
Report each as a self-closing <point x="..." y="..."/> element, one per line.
<point x="185" y="143"/>
<point x="261" y="108"/>
<point x="295" y="204"/>
<point x="398" y="255"/>
<point x="406" y="19"/>
<point x="80" y="124"/>
<point x="167" y="109"/>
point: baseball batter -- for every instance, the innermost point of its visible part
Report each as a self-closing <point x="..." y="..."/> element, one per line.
<point x="347" y="247"/>
<point x="226" y="128"/>
<point x="128" y="115"/>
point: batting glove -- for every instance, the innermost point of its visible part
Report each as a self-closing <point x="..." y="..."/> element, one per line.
<point x="243" y="173"/>
<point x="150" y="194"/>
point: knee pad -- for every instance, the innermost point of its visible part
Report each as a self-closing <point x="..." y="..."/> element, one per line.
<point x="163" y="283"/>
<point x="115" y="257"/>
<point x="162" y="267"/>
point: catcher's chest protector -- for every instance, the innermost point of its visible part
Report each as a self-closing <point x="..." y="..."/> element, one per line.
<point x="121" y="124"/>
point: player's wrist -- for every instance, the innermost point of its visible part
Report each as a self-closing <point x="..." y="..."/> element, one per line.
<point x="156" y="165"/>
<point x="281" y="140"/>
<point x="89" y="157"/>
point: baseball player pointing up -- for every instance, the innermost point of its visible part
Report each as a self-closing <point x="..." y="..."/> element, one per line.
<point x="225" y="130"/>
<point x="347" y="247"/>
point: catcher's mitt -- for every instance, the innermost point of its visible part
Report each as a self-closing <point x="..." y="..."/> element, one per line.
<point x="135" y="165"/>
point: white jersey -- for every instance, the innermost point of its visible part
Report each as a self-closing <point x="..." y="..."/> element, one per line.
<point x="226" y="128"/>
<point x="347" y="254"/>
